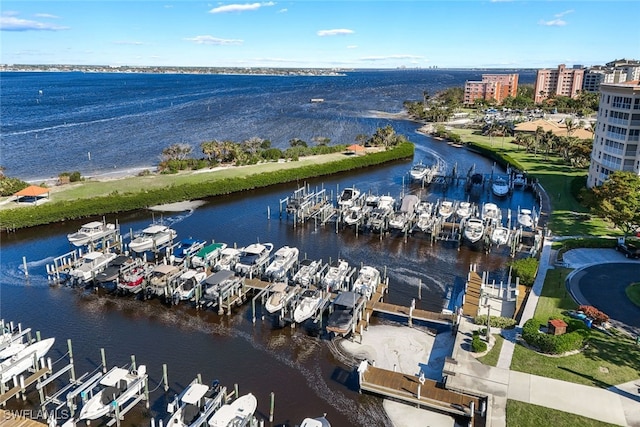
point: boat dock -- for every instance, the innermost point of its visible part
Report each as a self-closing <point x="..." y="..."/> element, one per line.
<point x="15" y="419"/>
<point x="422" y="392"/>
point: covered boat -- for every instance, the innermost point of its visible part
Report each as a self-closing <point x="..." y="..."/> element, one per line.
<point x="152" y="238"/>
<point x="90" y="232"/>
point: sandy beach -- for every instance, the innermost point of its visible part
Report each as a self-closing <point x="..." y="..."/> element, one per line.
<point x="411" y="351"/>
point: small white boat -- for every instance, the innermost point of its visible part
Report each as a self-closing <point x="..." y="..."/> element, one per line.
<point x="348" y="197"/>
<point x="187" y="284"/>
<point x="117" y="387"/>
<point x="464" y="210"/>
<point x="307" y="272"/>
<point x="426" y="221"/>
<point x="195" y="404"/>
<point x="237" y="414"/>
<point x="280" y="296"/>
<point x="23" y="359"/>
<point x="253" y="258"/>
<point x="207" y="256"/>
<point x="228" y="259"/>
<point x="152" y="237"/>
<point x="90" y="232"/>
<point x="473" y="230"/>
<point x="217" y="284"/>
<point x="355" y="215"/>
<point x="367" y="281"/>
<point x="160" y="278"/>
<point x="386" y="203"/>
<point x="519" y="180"/>
<point x="500" y="235"/>
<point x="491" y="213"/>
<point x="379" y="216"/>
<point x="445" y="210"/>
<point x="186" y="249"/>
<point x="406" y="212"/>
<point x="336" y="275"/>
<point x="372" y="201"/>
<point x="418" y="171"/>
<point x="92" y="264"/>
<point x="500" y="187"/>
<point x="525" y="219"/>
<point x="283" y="260"/>
<point x="309" y="303"/>
<point x="344" y="309"/>
<point x="316" y="422"/>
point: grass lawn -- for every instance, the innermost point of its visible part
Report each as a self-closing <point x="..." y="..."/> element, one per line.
<point x="527" y="415"/>
<point x="557" y="178"/>
<point x="491" y="358"/>
<point x="633" y="293"/>
<point x="606" y="361"/>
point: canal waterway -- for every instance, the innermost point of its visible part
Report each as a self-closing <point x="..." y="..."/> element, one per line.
<point x="296" y="364"/>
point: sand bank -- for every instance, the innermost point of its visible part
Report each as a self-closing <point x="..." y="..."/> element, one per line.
<point x="178" y="206"/>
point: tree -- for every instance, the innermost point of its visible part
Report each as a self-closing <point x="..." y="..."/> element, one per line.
<point x="211" y="149"/>
<point x="297" y="142"/>
<point x="176" y="152"/>
<point x="618" y="200"/>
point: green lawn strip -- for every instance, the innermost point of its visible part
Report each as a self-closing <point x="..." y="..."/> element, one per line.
<point x="523" y="414"/>
<point x="633" y="293"/>
<point x="607" y="361"/>
<point x="491" y="358"/>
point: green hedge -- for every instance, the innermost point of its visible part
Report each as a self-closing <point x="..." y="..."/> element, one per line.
<point x="116" y="202"/>
<point x="496" y="321"/>
<point x="502" y="159"/>
<point x="575" y="338"/>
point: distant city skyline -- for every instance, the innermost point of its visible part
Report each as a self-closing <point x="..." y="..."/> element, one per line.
<point x="320" y="34"/>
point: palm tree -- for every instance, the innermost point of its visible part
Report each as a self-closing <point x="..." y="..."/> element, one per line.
<point x="570" y="125"/>
<point x="539" y="133"/>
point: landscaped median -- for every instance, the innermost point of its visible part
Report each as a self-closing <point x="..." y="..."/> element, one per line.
<point x="133" y="193"/>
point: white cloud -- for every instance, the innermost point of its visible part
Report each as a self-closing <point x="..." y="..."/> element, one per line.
<point x="11" y="23"/>
<point x="213" y="41"/>
<point x="46" y="15"/>
<point x="126" y="42"/>
<point x="352" y="46"/>
<point x="553" y="23"/>
<point x="336" y="32"/>
<point x="240" y="7"/>
<point x="384" y="58"/>
<point x="566" y="12"/>
<point x="283" y="10"/>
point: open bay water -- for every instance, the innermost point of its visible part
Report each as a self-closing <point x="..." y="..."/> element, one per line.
<point x="296" y="364"/>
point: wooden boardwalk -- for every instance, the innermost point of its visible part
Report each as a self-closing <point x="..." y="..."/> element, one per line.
<point x="472" y="295"/>
<point x="11" y="419"/>
<point x="14" y="391"/>
<point x="432" y="394"/>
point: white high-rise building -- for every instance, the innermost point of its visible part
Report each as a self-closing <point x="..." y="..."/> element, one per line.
<point x="617" y="133"/>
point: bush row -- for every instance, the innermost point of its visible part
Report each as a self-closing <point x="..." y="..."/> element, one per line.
<point x="574" y="339"/>
<point x="121" y="202"/>
<point x="496" y="321"/>
<point x="502" y="159"/>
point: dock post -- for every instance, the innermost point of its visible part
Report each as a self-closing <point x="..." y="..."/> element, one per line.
<point x="272" y="406"/>
<point x="268" y="212"/>
<point x="419" y="390"/>
<point x="413" y="305"/>
<point x="24" y="265"/>
<point x="104" y="361"/>
<point x="165" y="377"/>
<point x="419" y="289"/>
<point x="73" y="371"/>
<point x="117" y="413"/>
<point x="146" y="392"/>
<point x="37" y="335"/>
<point x="133" y="362"/>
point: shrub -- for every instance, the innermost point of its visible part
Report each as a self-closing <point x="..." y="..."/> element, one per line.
<point x="477" y="345"/>
<point x="553" y="344"/>
<point x="10" y="186"/>
<point x="592" y="312"/>
<point x="526" y="269"/>
<point x="496" y="321"/>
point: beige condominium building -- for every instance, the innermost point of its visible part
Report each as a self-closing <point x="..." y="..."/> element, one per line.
<point x="562" y="81"/>
<point x="617" y="134"/>
<point x="493" y="87"/>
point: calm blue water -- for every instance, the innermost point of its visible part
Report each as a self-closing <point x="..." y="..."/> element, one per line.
<point x="294" y="363"/>
<point x="52" y="121"/>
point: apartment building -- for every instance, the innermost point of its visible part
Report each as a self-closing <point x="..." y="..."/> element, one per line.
<point x="617" y="134"/>
<point x="561" y="81"/>
<point x="495" y="87"/>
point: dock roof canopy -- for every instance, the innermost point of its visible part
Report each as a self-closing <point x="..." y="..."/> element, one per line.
<point x="32" y="191"/>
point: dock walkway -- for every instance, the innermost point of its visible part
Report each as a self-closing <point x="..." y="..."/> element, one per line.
<point x="11" y="419"/>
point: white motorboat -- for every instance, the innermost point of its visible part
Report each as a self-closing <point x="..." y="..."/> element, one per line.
<point x="426" y="221"/>
<point x="500" y="235"/>
<point x="281" y="294"/>
<point x="152" y="237"/>
<point x="23" y="359"/>
<point x="367" y="281"/>
<point x="160" y="279"/>
<point x="238" y="413"/>
<point x="228" y="259"/>
<point x="316" y="422"/>
<point x="464" y="210"/>
<point x="500" y="187"/>
<point x="348" y="197"/>
<point x="406" y="212"/>
<point x="253" y="258"/>
<point x="187" y="284"/>
<point x="372" y="200"/>
<point x="525" y="218"/>
<point x="386" y="203"/>
<point x="491" y="213"/>
<point x="356" y="214"/>
<point x="11" y="345"/>
<point x="207" y="256"/>
<point x="307" y="272"/>
<point x="186" y="249"/>
<point x="91" y="264"/>
<point x="195" y="404"/>
<point x="473" y="230"/>
<point x="90" y="232"/>
<point x="445" y="210"/>
<point x="344" y="309"/>
<point x="117" y="387"/>
<point x="419" y="171"/>
<point x="336" y="275"/>
<point x="217" y="284"/>
<point x="283" y="261"/>
<point x="519" y="180"/>
<point x="309" y="303"/>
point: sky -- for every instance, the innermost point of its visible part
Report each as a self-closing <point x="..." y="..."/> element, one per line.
<point x="320" y="34"/>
